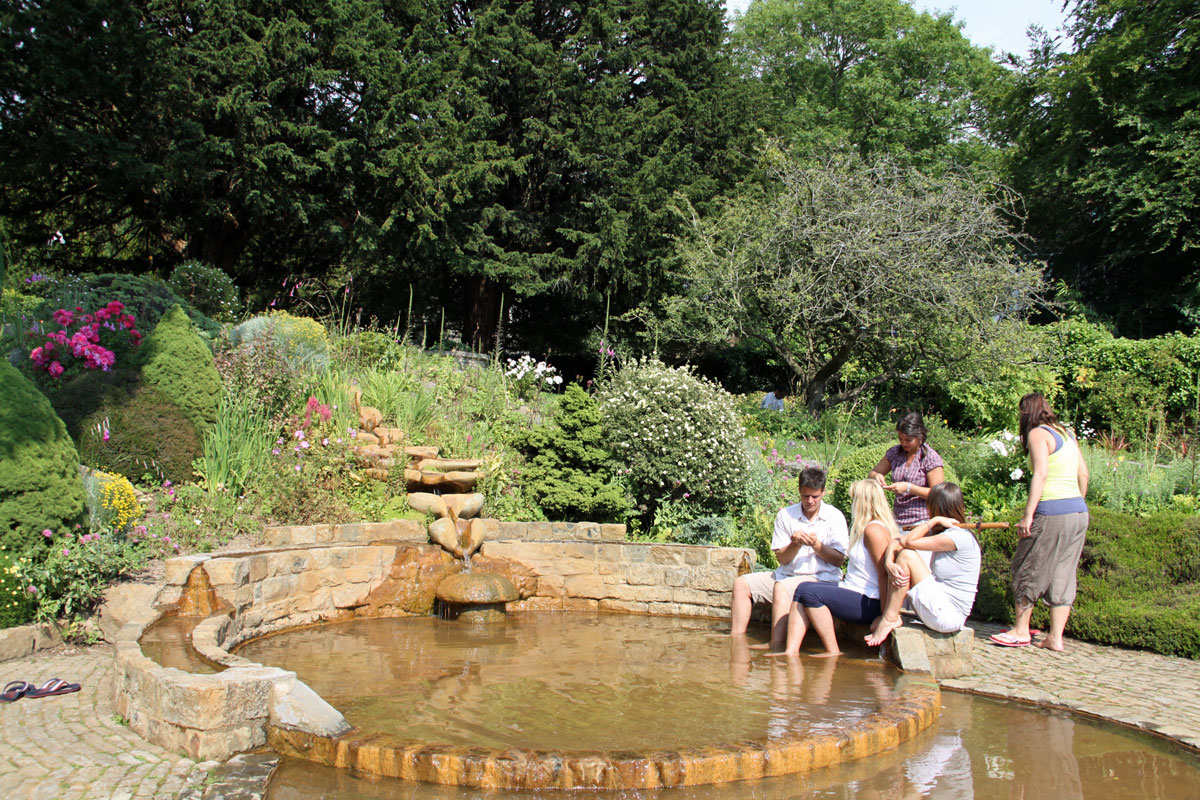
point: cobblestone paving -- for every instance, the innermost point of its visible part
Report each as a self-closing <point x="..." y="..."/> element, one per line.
<point x="1144" y="690"/>
<point x="73" y="747"/>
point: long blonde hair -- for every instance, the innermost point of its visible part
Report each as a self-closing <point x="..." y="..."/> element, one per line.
<point x="867" y="505"/>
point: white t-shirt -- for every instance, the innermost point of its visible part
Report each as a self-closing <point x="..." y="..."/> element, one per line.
<point x="830" y="528"/>
<point x="771" y="402"/>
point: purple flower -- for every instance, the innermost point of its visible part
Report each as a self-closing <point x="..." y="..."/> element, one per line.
<point x="49" y="534"/>
<point x="275" y="451"/>
<point x="66" y="551"/>
<point x="297" y="468"/>
<point x="304" y="444"/>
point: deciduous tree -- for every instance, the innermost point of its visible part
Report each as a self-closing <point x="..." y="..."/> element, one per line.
<point x="855" y="273"/>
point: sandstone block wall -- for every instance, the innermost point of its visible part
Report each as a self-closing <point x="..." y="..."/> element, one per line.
<point x="634" y="577"/>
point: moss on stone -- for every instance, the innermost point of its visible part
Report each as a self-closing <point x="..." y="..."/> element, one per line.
<point x="178" y="363"/>
<point x="40" y="485"/>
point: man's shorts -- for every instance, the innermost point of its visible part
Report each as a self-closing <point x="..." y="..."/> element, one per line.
<point x="762" y="585"/>
<point x="931" y="603"/>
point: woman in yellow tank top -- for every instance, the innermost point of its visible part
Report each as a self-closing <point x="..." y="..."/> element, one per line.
<point x="1054" y="526"/>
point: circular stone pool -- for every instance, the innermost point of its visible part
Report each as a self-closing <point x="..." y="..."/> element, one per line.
<point x="546" y="700"/>
<point x="979" y="750"/>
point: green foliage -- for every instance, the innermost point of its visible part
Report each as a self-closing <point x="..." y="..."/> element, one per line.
<point x="124" y="426"/>
<point x="302" y="341"/>
<point x="808" y="262"/>
<point x="369" y="350"/>
<point x="568" y="468"/>
<point x="75" y="572"/>
<point x="258" y="371"/>
<point x="177" y="362"/>
<point x="1134" y="386"/>
<point x="238" y="447"/>
<point x="1133" y="482"/>
<point x="675" y="436"/>
<point x="39" y="465"/>
<point x="18" y="605"/>
<point x="147" y="298"/>
<point x="397" y="396"/>
<point x="851" y="467"/>
<point x="209" y="290"/>
<point x="882" y="75"/>
<point x="1103" y="150"/>
<point x="1139" y="582"/>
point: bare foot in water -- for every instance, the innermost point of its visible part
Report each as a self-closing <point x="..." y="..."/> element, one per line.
<point x="827" y="654"/>
<point x="779" y="653"/>
<point x="776" y="646"/>
<point x="1046" y="644"/>
<point x="883" y="629"/>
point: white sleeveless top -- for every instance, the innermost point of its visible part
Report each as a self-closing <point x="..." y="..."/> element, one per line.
<point x="861" y="575"/>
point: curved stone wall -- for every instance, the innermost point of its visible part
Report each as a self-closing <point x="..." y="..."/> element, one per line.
<point x="316" y="574"/>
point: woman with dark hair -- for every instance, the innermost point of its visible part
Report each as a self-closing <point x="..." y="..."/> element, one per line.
<point x="1054" y="526"/>
<point x="942" y="592"/>
<point x="915" y="468"/>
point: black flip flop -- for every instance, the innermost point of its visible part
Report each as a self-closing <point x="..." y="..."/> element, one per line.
<point x="51" y="687"/>
<point x="14" y="691"/>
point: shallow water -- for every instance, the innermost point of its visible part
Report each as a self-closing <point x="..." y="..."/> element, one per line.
<point x="168" y="643"/>
<point x="571" y="681"/>
<point x="979" y="750"/>
<point x="582" y="681"/>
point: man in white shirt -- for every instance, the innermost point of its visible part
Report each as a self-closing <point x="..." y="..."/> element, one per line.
<point x="773" y="400"/>
<point x="810" y="541"/>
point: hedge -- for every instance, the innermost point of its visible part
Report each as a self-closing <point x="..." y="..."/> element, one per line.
<point x="1139" y="582"/>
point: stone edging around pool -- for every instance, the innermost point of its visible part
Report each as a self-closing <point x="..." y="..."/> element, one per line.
<point x="916" y="709"/>
<point x="313" y="576"/>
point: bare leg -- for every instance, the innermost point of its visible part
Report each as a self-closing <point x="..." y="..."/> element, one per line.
<point x="822" y="622"/>
<point x="1020" y="628"/>
<point x="740" y="608"/>
<point x="796" y="630"/>
<point x="1058" y="623"/>
<point x="781" y="607"/>
<point x="889" y="620"/>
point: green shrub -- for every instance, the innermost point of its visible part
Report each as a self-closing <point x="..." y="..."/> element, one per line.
<point x="302" y="341"/>
<point x="258" y="371"/>
<point x="146" y="297"/>
<point x="177" y="362"/>
<point x="72" y="577"/>
<point x="18" y="605"/>
<point x="208" y="289"/>
<point x="370" y="350"/>
<point x="39" y="465"/>
<point x="1139" y="582"/>
<point x="568" y="469"/>
<point x="147" y="433"/>
<point x="112" y="504"/>
<point x="676" y="436"/>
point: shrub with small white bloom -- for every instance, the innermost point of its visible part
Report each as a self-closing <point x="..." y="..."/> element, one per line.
<point x="676" y="435"/>
<point x="531" y="376"/>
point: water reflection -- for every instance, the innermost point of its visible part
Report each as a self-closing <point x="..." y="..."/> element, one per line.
<point x="572" y="681"/>
<point x="979" y="750"/>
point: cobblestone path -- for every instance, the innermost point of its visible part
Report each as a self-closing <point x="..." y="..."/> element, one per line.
<point x="73" y="746"/>
<point x="1156" y="693"/>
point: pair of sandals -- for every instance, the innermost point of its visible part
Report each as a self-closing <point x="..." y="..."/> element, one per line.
<point x="17" y="689"/>
<point x="1006" y="639"/>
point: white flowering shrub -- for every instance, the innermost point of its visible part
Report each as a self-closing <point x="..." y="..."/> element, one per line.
<point x="530" y="377"/>
<point x="675" y="436"/>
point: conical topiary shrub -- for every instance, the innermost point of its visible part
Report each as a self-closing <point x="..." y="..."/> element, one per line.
<point x="177" y="362"/>
<point x="40" y="486"/>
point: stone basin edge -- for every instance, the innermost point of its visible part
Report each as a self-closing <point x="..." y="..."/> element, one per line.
<point x="306" y="576"/>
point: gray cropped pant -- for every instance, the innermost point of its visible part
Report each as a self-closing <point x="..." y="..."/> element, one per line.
<point x="1045" y="563"/>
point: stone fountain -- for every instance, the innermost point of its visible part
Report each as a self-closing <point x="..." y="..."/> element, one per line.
<point x="469" y="596"/>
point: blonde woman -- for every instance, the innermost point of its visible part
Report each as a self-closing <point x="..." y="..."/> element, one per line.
<point x="857" y="597"/>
